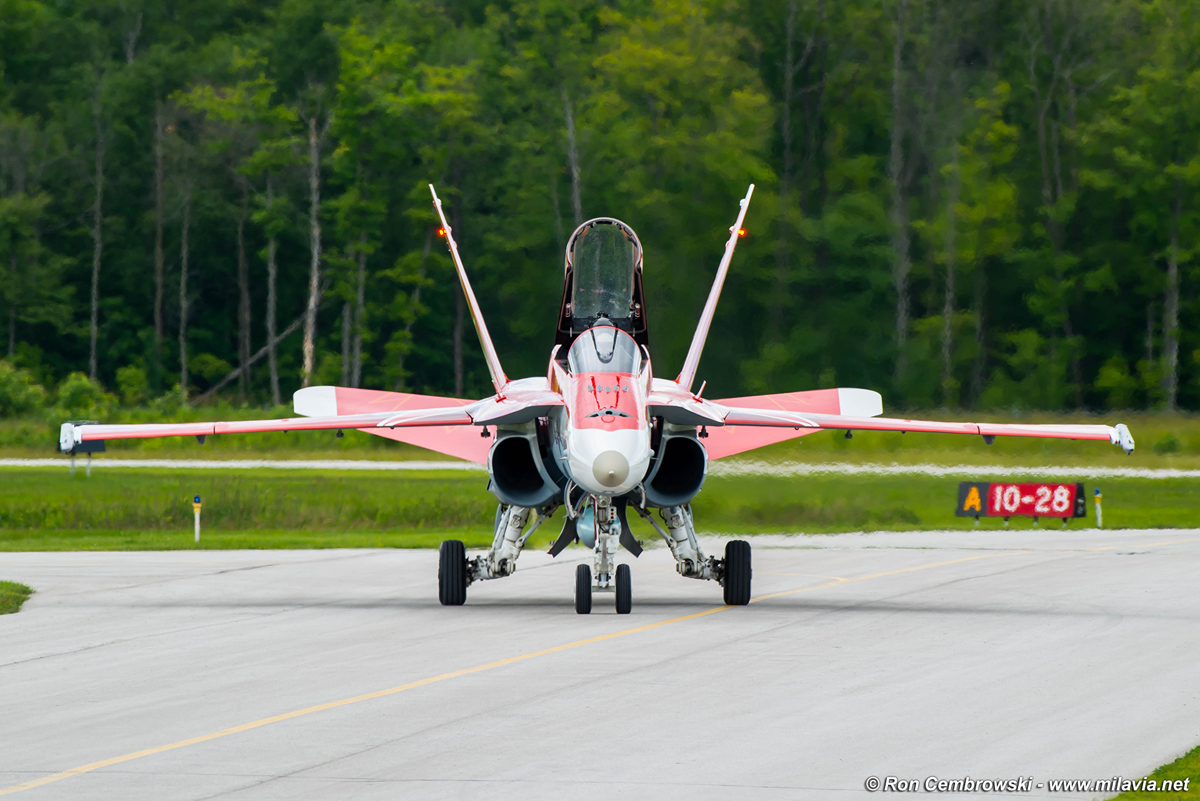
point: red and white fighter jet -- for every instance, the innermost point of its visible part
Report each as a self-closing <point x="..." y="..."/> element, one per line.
<point x="598" y="434"/>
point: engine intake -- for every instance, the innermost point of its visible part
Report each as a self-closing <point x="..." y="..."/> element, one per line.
<point x="678" y="470"/>
<point x="518" y="471"/>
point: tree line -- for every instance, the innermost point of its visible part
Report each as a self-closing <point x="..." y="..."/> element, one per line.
<point x="960" y="203"/>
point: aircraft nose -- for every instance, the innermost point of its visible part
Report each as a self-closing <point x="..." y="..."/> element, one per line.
<point x="610" y="468"/>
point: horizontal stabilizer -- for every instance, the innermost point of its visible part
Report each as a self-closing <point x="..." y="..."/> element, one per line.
<point x="461" y="442"/>
<point x="730" y="439"/>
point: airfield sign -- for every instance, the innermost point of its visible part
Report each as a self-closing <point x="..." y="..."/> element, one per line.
<point x="1001" y="499"/>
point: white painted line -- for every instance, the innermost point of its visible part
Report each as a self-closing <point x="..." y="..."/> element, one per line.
<point x="719" y="468"/>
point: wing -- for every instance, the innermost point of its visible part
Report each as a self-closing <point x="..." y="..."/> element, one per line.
<point x="524" y="400"/>
<point x="388" y="414"/>
<point x="1117" y="435"/>
<point x="71" y="434"/>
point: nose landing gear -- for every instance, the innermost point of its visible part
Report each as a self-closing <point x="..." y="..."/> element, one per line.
<point x="624" y="590"/>
<point x="583" y="590"/>
<point x="610" y="577"/>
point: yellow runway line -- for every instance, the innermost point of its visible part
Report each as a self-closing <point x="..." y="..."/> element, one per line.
<point x="203" y="738"/>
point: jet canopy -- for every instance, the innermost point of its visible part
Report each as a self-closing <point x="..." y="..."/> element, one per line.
<point x="604" y="349"/>
<point x="602" y="281"/>
<point x="603" y="254"/>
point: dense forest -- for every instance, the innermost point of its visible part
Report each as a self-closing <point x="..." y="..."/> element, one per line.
<point x="960" y="203"/>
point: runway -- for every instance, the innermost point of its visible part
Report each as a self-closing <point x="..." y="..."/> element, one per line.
<point x="1051" y="654"/>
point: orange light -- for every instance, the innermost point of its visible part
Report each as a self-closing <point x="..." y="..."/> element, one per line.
<point x="441" y="232"/>
<point x="741" y="232"/>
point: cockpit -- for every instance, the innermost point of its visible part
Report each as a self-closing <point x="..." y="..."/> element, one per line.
<point x="604" y="349"/>
<point x="603" y="255"/>
<point x="602" y="283"/>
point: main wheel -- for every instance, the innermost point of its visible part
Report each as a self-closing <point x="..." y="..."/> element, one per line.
<point x="452" y="573"/>
<point x="737" y="573"/>
<point x="583" y="590"/>
<point x="624" y="590"/>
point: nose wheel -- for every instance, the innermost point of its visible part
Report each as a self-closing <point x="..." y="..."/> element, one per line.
<point x="583" y="590"/>
<point x="624" y="590"/>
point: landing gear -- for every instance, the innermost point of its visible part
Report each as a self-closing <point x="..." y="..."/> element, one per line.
<point x="737" y="573"/>
<point x="624" y="590"/>
<point x="732" y="573"/>
<point x="583" y="590"/>
<point x="452" y="573"/>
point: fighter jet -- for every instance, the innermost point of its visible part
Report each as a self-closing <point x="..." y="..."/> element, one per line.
<point x="599" y="434"/>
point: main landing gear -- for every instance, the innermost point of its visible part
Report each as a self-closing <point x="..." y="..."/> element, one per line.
<point x="733" y="572"/>
<point x="603" y="528"/>
<point x="456" y="572"/>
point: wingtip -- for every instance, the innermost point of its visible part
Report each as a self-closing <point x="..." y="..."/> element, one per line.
<point x="1121" y="436"/>
<point x="66" y="438"/>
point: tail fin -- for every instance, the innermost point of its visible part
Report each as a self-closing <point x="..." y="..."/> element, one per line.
<point x="688" y="374"/>
<point x="499" y="379"/>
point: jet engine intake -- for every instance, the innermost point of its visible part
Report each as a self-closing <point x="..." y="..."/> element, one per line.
<point x="518" y="470"/>
<point x="678" y="470"/>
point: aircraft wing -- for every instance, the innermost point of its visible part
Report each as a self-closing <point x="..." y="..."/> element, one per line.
<point x="71" y="434"/>
<point x="523" y="400"/>
<point x="1117" y="435"/>
<point x="445" y="425"/>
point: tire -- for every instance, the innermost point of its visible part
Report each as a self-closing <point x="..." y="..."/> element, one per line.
<point x="737" y="573"/>
<point x="452" y="573"/>
<point x="624" y="590"/>
<point x="583" y="590"/>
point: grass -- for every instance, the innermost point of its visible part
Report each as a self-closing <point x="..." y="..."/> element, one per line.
<point x="1186" y="767"/>
<point x="150" y="509"/>
<point x="12" y="596"/>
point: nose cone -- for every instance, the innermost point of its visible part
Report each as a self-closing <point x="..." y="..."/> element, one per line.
<point x="610" y="469"/>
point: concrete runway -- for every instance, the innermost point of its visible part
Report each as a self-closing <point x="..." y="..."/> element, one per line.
<point x="336" y="675"/>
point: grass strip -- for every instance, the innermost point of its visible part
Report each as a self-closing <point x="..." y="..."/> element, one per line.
<point x="12" y="596"/>
<point x="151" y="509"/>
<point x="1186" y="767"/>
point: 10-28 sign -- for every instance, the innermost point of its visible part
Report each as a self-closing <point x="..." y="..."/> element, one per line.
<point x="996" y="499"/>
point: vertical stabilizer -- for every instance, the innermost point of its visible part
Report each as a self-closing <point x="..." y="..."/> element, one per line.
<point x="688" y="374"/>
<point x="499" y="379"/>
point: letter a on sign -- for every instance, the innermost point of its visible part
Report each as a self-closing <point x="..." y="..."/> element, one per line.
<point x="972" y="501"/>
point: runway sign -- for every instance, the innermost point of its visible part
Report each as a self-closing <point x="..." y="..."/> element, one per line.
<point x="996" y="499"/>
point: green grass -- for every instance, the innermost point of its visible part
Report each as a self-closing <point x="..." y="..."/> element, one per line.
<point x="127" y="509"/>
<point x="12" y="596"/>
<point x="1186" y="767"/>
